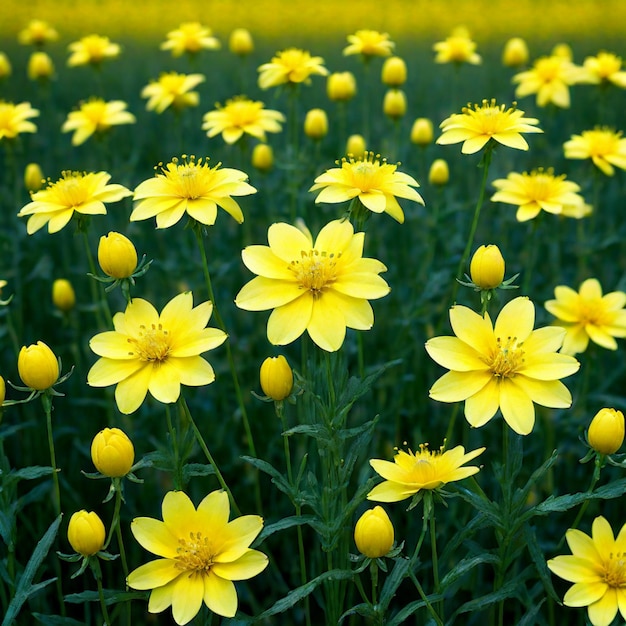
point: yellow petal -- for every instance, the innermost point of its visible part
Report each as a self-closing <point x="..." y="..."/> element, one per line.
<point x="517" y="408"/>
<point x="251" y="563"/>
<point x="550" y="393"/>
<point x="131" y="392"/>
<point x="585" y="593"/>
<point x="214" y="510"/>
<point x="220" y="595"/>
<point x="456" y="386"/>
<point x="335" y="236"/>
<point x="179" y="513"/>
<point x="516" y="319"/>
<point x="548" y="366"/>
<point x="194" y="371"/>
<point x="164" y="383"/>
<point x="105" y="372"/>
<point x="483" y="405"/>
<point x="287" y="242"/>
<point x="390" y="492"/>
<point x="237" y="536"/>
<point x="472" y="329"/>
<point x="288" y="322"/>
<point x="454" y="354"/>
<point x="153" y="574"/>
<point x="187" y="597"/>
<point x="263" y="293"/>
<point x="155" y="536"/>
<point x="603" y="612"/>
<point x="263" y="262"/>
<point x="582" y="546"/>
<point x="161" y="598"/>
<point x="327" y="324"/>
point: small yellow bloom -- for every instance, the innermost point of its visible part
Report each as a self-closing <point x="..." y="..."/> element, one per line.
<point x="439" y="173"/>
<point x="3" y="392"/>
<point x="316" y="124"/>
<point x="37" y="33"/>
<point x="606" y="431"/>
<point x="172" y="89"/>
<point x="86" y="533"/>
<point x="487" y="267"/>
<point x="241" y="42"/>
<point x="38" y="366"/>
<point x="373" y="533"/>
<point x="40" y="66"/>
<point x="276" y="378"/>
<point x="117" y="255"/>
<point x="605" y="147"/>
<point x="458" y="48"/>
<point x="262" y="157"/>
<point x="393" y="73"/>
<point x="341" y="86"/>
<point x="15" y="119"/>
<point x="33" y="177"/>
<point x="563" y="50"/>
<point x="63" y="295"/>
<point x="290" y="66"/>
<point x="604" y="68"/>
<point x="515" y="52"/>
<point x="394" y="103"/>
<point x="5" y="66"/>
<point x="112" y="452"/>
<point x="92" y="50"/>
<point x="422" y="131"/>
<point x="369" y="43"/>
<point x="96" y="116"/>
<point x="356" y="146"/>
<point x="190" y="38"/>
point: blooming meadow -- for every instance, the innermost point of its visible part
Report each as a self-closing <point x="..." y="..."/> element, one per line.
<point x="325" y="333"/>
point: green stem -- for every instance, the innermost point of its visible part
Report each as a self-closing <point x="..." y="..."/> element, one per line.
<point x="435" y="560"/>
<point x="422" y="595"/>
<point x="374" y="576"/>
<point x="178" y="472"/>
<point x="100" y="302"/>
<point x="103" y="604"/>
<point x="47" y="405"/>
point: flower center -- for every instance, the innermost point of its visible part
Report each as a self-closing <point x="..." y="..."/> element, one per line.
<point x="541" y="185"/>
<point x="191" y="178"/>
<point x="614" y="574"/>
<point x="95" y="111"/>
<point x="194" y="554"/>
<point x="548" y="69"/>
<point x="71" y="189"/>
<point x="507" y="359"/>
<point x="152" y="344"/>
<point x="602" y="143"/>
<point x="243" y="113"/>
<point x="315" y="270"/>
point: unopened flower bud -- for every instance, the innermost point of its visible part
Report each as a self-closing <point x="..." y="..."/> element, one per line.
<point x="606" y="431"/>
<point x="5" y="66"/>
<point x="563" y="50"/>
<point x="316" y="124"/>
<point x="394" y="72"/>
<point x="356" y="146"/>
<point x="373" y="533"/>
<point x="63" y="296"/>
<point x="439" y="173"/>
<point x="240" y="42"/>
<point x="487" y="267"/>
<point x="40" y="66"/>
<point x="117" y="255"/>
<point x="515" y="52"/>
<point x="3" y="391"/>
<point x="33" y="177"/>
<point x="422" y="131"/>
<point x="38" y="366"/>
<point x="86" y="533"/>
<point x="112" y="452"/>
<point x="263" y="157"/>
<point x="394" y="104"/>
<point x="341" y="86"/>
<point x="276" y="378"/>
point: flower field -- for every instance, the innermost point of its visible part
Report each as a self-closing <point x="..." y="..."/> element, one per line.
<point x="312" y="320"/>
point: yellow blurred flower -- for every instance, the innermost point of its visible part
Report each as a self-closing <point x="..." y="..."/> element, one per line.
<point x="241" y="42"/>
<point x="79" y="192"/>
<point x="587" y="314"/>
<point x="37" y="33"/>
<point x="276" y="378"/>
<point x="63" y="295"/>
<point x="86" y="533"/>
<point x="190" y="37"/>
<point x="117" y="255"/>
<point x="375" y="182"/>
<point x="507" y="366"/>
<point x="112" y="452"/>
<point x="96" y="116"/>
<point x="190" y="187"/>
<point x="604" y="68"/>
<point x="563" y="50"/>
<point x="172" y="89"/>
<point x="3" y="392"/>
<point x="369" y="43"/>
<point x="605" y="147"/>
<point x="290" y="66"/>
<point x="262" y="157"/>
<point x="394" y="103"/>
<point x="241" y="115"/>
<point x="38" y="366"/>
<point x="439" y="173"/>
<point x="5" y="66"/>
<point x="458" y="48"/>
<point x="33" y="177"/>
<point x="320" y="287"/>
<point x="393" y="73"/>
<point x="155" y="353"/>
<point x="515" y="52"/>
<point x="40" y="66"/>
<point x="92" y="50"/>
<point x="316" y="124"/>
<point x="606" y="431"/>
<point x="14" y="119"/>
<point x="373" y="533"/>
<point x="356" y="146"/>
<point x="341" y="86"/>
<point x="422" y="131"/>
<point x="536" y="191"/>
<point x="475" y="127"/>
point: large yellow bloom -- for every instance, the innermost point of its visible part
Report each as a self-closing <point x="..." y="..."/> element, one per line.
<point x="92" y="49"/>
<point x="190" y="37"/>
<point x="155" y="353"/>
<point x="374" y="181"/>
<point x="14" y="119"/>
<point x="458" y="48"/>
<point x="172" y="89"/>
<point x="605" y="147"/>
<point x="190" y="187"/>
<point x="37" y="33"/>
<point x="475" y="127"/>
<point x="241" y="115"/>
<point x="369" y="43"/>
<point x="411" y="472"/>
<point x="587" y="314"/>
<point x="96" y="116"/>
<point x="290" y="66"/>
<point x="79" y="192"/>
<point x="507" y="366"/>
<point x="536" y="191"/>
<point x="201" y="552"/>
<point x="597" y="567"/>
<point x="604" y="68"/>
<point x="320" y="287"/>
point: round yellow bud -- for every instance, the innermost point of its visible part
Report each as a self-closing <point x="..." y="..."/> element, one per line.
<point x="40" y="66"/>
<point x="439" y="173"/>
<point x="316" y="124"/>
<point x="373" y="533"/>
<point x="356" y="146"/>
<point x="38" y="366"/>
<point x="63" y="296"/>
<point x="5" y="66"/>
<point x="341" y="86"/>
<point x="606" y="431"/>
<point x="394" y="104"/>
<point x="240" y="42"/>
<point x="394" y="72"/>
<point x="515" y="52"/>
<point x="117" y="255"/>
<point x="487" y="267"/>
<point x="276" y="378"/>
<point x="86" y="533"/>
<point x="422" y="131"/>
<point x="3" y="391"/>
<point x="263" y="157"/>
<point x="33" y="177"/>
<point x="563" y="50"/>
<point x="112" y="452"/>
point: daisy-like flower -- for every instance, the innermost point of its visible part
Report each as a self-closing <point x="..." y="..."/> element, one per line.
<point x="458" y="48"/>
<point x="190" y="187"/>
<point x="374" y="181"/>
<point x="369" y="43"/>
<point x="320" y="287"/>
<point x="597" y="567"/>
<point x="201" y="552"/>
<point x="587" y="314"/>
<point x="536" y="191"/>
<point x="155" y="353"/>
<point x="15" y="119"/>
<point x="172" y="89"/>
<point x="190" y="38"/>
<point x="290" y="66"/>
<point x="507" y="366"/>
<point x="241" y="115"/>
<point x="605" y="147"/>
<point x="96" y="116"/>
<point x="92" y="50"/>
<point x="80" y="192"/>
<point x="603" y="69"/>
<point x="411" y="472"/>
<point x="37" y="33"/>
<point x="475" y="127"/>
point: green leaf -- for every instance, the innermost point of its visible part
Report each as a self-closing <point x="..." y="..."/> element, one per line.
<point x="464" y="566"/>
<point x="197" y="469"/>
<point x="508" y="590"/>
<point x="401" y="616"/>
<point x="277" y="478"/>
<point x="56" y="620"/>
<point x="539" y="559"/>
<point x="530" y="615"/>
<point x="27" y="473"/>
<point x="286" y="522"/>
<point x="393" y="581"/>
<point x="111" y="596"/>
<point x="364" y="610"/>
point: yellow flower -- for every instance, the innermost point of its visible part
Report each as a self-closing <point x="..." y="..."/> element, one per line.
<point x="201" y="554"/>
<point x="3" y="392"/>
<point x="411" y="472"/>
<point x="515" y="52"/>
<point x="356" y="146"/>
<point x="487" y="267"/>
<point x="290" y="66"/>
<point x="5" y="66"/>
<point x="369" y="43"/>
<point x="262" y="157"/>
<point x="458" y="48"/>
<point x="112" y="452"/>
<point x="394" y="103"/>
<point x="14" y="119"/>
<point x="63" y="295"/>
<point x="507" y="366"/>
<point x="439" y="173"/>
<point x="79" y="192"/>
<point x="597" y="569"/>
<point x="38" y="366"/>
<point x="37" y="33"/>
<point x="320" y="287"/>
<point x="589" y="315"/>
<point x="92" y="49"/>
<point x="606" y="431"/>
<point x="316" y="124"/>
<point x="475" y="127"/>
<point x="373" y="533"/>
<point x="117" y="255"/>
<point x="240" y="42"/>
<point x="40" y="66"/>
<point x="33" y="177"/>
<point x="96" y="116"/>
<point x="241" y="115"/>
<point x="374" y="181"/>
<point x="190" y="187"/>
<point x="86" y="533"/>
<point x="276" y="378"/>
<point x="341" y="86"/>
<point x="422" y="131"/>
<point x="393" y="73"/>
<point x="155" y="353"/>
<point x="172" y="89"/>
<point x="605" y="147"/>
<point x="190" y="37"/>
<point x="540" y="189"/>
<point x="603" y="69"/>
